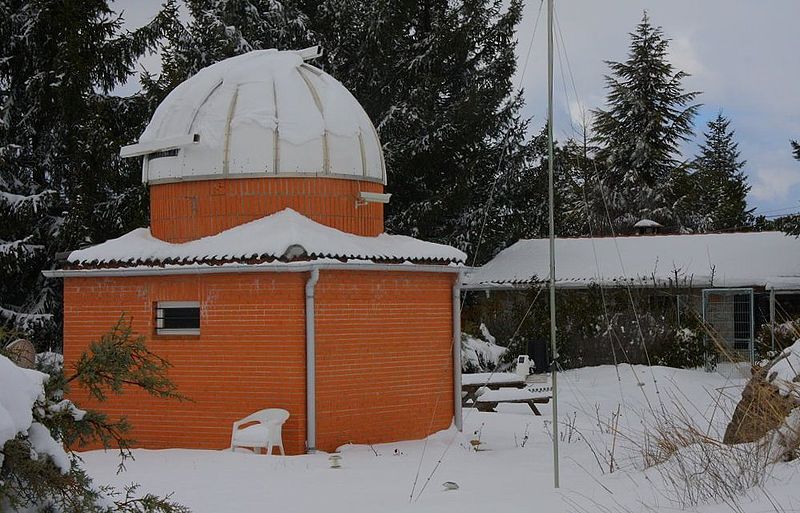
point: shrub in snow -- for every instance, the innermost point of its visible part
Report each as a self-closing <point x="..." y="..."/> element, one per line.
<point x="36" y="423"/>
<point x="785" y="335"/>
<point x="764" y="430"/>
<point x="768" y="404"/>
<point x="480" y="354"/>
<point x="597" y="326"/>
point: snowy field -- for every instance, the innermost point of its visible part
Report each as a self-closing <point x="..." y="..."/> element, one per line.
<point x="509" y="473"/>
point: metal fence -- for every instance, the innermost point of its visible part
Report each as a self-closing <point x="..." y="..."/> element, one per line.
<point x="729" y="315"/>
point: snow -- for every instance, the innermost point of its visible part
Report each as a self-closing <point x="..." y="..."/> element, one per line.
<point x="721" y="260"/>
<point x="19" y="389"/>
<point x="484" y="378"/>
<point x="265" y="239"/>
<point x="481" y="353"/>
<point x="512" y="471"/>
<point x="43" y="443"/>
<point x="510" y="394"/>
<point x="264" y="113"/>
<point x="17" y="201"/>
<point x="647" y="223"/>
<point x="785" y="374"/>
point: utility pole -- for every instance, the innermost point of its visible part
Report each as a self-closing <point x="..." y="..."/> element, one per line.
<point x="553" y="346"/>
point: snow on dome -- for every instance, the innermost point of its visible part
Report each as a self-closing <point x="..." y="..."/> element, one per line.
<point x="263" y="113"/>
<point x="285" y="235"/>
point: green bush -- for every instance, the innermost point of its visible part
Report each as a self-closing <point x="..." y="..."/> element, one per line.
<point x="35" y="483"/>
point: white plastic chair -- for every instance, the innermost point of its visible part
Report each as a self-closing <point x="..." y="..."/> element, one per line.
<point x="264" y="430"/>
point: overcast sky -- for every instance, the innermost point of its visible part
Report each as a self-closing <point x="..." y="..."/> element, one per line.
<point x="744" y="55"/>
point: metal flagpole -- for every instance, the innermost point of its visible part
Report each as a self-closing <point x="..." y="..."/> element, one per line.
<point x="553" y="347"/>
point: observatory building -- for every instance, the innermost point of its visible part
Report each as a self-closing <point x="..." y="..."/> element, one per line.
<point x="265" y="277"/>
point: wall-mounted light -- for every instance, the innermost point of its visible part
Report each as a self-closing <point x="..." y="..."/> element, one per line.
<point x="372" y="197"/>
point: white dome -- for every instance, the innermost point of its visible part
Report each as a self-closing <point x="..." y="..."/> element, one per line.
<point x="260" y="114"/>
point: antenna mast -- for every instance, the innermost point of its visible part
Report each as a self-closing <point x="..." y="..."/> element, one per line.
<point x="553" y="346"/>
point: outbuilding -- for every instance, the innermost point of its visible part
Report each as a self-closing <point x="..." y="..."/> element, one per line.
<point x="736" y="282"/>
<point x="265" y="277"/>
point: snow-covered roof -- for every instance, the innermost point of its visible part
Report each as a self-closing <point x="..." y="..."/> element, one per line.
<point x="647" y="223"/>
<point x="285" y="236"/>
<point x="263" y="113"/>
<point x="762" y="259"/>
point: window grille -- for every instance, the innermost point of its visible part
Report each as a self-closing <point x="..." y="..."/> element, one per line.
<point x="161" y="154"/>
<point x="178" y="318"/>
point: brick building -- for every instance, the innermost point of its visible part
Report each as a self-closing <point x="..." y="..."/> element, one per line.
<point x="265" y="278"/>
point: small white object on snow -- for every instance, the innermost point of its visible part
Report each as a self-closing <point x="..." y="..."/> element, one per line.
<point x="647" y="223"/>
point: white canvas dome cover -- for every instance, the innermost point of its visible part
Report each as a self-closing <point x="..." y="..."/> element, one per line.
<point x="266" y="112"/>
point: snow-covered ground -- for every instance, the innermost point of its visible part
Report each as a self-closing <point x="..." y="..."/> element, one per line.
<point x="510" y="473"/>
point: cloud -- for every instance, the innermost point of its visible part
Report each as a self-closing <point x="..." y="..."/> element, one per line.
<point x="775" y="184"/>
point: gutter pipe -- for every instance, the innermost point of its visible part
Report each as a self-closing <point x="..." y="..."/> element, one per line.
<point x="311" y="364"/>
<point x="457" y="414"/>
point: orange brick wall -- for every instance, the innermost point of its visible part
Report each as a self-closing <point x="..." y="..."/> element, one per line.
<point x="384" y="356"/>
<point x="250" y="354"/>
<point x="184" y="211"/>
<point x="384" y="364"/>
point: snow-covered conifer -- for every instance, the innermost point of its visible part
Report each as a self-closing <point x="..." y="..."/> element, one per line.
<point x="648" y="115"/>
<point x="62" y="183"/>
<point x="719" y="184"/>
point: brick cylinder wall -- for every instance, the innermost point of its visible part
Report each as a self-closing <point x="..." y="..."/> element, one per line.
<point x="384" y="354"/>
<point x="183" y="211"/>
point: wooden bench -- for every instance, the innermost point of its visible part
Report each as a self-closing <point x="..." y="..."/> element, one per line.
<point x="472" y="383"/>
<point x="489" y="400"/>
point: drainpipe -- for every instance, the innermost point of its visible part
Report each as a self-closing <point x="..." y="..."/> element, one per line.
<point x="457" y="419"/>
<point x="311" y="365"/>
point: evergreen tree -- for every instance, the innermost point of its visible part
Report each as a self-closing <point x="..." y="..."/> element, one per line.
<point x="62" y="183"/>
<point x="435" y="77"/>
<point x="219" y="29"/>
<point x="720" y="185"/>
<point x="649" y="114"/>
<point x="790" y="224"/>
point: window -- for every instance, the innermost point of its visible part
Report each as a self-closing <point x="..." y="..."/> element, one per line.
<point x="161" y="154"/>
<point x="178" y="318"/>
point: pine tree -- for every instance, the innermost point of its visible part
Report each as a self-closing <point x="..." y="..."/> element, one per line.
<point x="435" y="77"/>
<point x="62" y="183"/>
<point x="219" y="29"/>
<point x="649" y="114"/>
<point x="720" y="185"/>
<point x="789" y="224"/>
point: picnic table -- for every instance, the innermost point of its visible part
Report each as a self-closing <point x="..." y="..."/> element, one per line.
<point x="472" y="383"/>
<point x="489" y="399"/>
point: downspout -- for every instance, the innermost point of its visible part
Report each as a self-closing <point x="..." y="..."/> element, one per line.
<point x="311" y="365"/>
<point x="457" y="418"/>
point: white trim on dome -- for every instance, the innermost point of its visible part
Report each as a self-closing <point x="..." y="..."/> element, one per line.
<point x="203" y="178"/>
